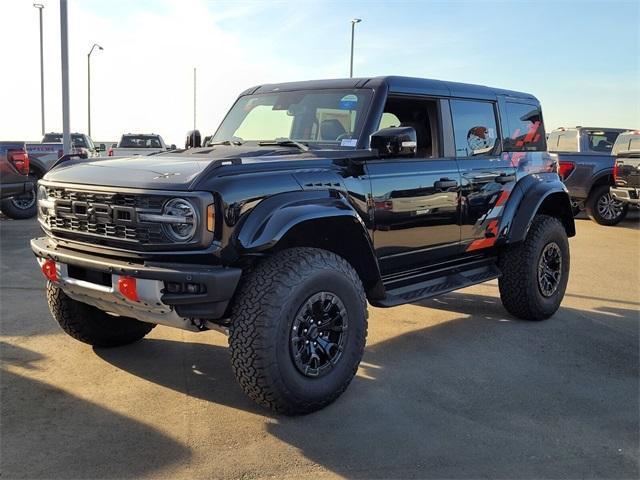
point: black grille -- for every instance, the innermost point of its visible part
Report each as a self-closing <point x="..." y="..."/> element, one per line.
<point x="103" y="217"/>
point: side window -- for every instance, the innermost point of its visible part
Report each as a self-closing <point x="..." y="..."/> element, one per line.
<point x="388" y="120"/>
<point x="552" y="141"/>
<point x="526" y="130"/>
<point x="568" y="142"/>
<point x="474" y="128"/>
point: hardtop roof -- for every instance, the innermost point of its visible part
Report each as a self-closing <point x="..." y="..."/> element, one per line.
<point x="397" y="84"/>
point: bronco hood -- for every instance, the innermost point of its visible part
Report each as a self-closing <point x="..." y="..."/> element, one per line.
<point x="166" y="171"/>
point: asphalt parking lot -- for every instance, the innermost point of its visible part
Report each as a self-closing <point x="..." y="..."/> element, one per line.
<point x="451" y="387"/>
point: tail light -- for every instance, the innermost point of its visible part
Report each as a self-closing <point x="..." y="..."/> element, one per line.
<point x="565" y="169"/>
<point x="20" y="160"/>
<point x="110" y="152"/>
<point x="616" y="170"/>
<point x="384" y="205"/>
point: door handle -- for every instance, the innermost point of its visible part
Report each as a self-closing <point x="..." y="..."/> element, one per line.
<point x="504" y="178"/>
<point x="444" y="184"/>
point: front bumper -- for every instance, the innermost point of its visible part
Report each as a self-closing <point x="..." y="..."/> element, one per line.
<point x="155" y="305"/>
<point x="627" y="195"/>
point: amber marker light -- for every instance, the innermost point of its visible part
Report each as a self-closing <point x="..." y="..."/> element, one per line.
<point x="211" y="217"/>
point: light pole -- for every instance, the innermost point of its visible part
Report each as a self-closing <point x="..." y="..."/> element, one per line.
<point x="353" y="28"/>
<point x="194" y="98"/>
<point x="64" y="57"/>
<point x="89" y="87"/>
<point x="40" y="6"/>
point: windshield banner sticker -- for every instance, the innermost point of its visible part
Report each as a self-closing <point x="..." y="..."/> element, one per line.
<point x="349" y="142"/>
<point x="348" y="102"/>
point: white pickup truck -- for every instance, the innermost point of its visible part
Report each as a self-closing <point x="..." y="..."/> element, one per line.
<point x="138" y="144"/>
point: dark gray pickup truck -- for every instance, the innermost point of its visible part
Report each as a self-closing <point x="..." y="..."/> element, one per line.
<point x="626" y="171"/>
<point x="586" y="167"/>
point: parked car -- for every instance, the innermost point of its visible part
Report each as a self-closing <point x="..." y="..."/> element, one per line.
<point x="586" y="167"/>
<point x="139" y="144"/>
<point x="627" y="168"/>
<point x="278" y="230"/>
<point x="17" y="197"/>
<point x="81" y="143"/>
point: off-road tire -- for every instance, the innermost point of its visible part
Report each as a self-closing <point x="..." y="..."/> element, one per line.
<point x="520" y="290"/>
<point x="591" y="206"/>
<point x="262" y="317"/>
<point x="91" y="325"/>
<point x="12" y="209"/>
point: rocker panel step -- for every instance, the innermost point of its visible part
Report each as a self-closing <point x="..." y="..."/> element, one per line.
<point x="439" y="285"/>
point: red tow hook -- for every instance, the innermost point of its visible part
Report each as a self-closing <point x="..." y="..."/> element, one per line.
<point x="50" y="271"/>
<point x="127" y="287"/>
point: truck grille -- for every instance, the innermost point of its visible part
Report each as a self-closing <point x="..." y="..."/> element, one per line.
<point x="103" y="217"/>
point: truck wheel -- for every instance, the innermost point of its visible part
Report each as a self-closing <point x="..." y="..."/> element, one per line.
<point x="21" y="206"/>
<point x="604" y="209"/>
<point x="91" y="325"/>
<point x="535" y="272"/>
<point x="298" y="330"/>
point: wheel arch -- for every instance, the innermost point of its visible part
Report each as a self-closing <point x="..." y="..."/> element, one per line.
<point x="533" y="196"/>
<point x="319" y="219"/>
<point x="602" y="178"/>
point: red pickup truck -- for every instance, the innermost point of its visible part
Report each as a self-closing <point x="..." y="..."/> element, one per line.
<point x="17" y="196"/>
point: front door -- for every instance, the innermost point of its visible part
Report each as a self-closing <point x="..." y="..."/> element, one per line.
<point x="414" y="200"/>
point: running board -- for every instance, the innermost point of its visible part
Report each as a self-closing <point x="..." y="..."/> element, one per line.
<point x="454" y="280"/>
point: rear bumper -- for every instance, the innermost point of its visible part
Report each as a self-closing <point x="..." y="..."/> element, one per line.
<point x="12" y="189"/>
<point x="627" y="195"/>
<point x="155" y="304"/>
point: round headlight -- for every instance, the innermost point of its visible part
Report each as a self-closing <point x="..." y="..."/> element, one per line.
<point x="42" y="193"/>
<point x="186" y="219"/>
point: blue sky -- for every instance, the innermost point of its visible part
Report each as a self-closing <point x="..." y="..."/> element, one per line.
<point x="581" y="59"/>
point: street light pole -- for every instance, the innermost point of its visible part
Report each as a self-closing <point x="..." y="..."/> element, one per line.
<point x="353" y="28"/>
<point x="40" y="6"/>
<point x="194" y="98"/>
<point x="89" y="87"/>
<point x="64" y="54"/>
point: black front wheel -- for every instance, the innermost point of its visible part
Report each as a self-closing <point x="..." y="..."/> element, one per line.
<point x="535" y="272"/>
<point x="298" y="330"/>
<point x="604" y="209"/>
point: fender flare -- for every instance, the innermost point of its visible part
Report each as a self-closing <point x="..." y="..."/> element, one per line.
<point x="532" y="194"/>
<point x="598" y="177"/>
<point x="313" y="218"/>
<point x="272" y="218"/>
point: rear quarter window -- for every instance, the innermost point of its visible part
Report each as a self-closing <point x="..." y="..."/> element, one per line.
<point x="525" y="128"/>
<point x="627" y="143"/>
<point x="568" y="142"/>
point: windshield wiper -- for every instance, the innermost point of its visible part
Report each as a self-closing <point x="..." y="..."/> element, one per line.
<point x="285" y="142"/>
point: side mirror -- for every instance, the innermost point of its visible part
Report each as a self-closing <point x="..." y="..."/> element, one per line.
<point x="194" y="140"/>
<point x="395" y="141"/>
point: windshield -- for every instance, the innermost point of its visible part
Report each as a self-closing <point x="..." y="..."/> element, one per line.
<point x="600" y="141"/>
<point x="317" y="118"/>
<point x="140" y="141"/>
<point x="77" y="139"/>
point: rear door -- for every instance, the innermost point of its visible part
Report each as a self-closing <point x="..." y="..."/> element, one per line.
<point x="486" y="176"/>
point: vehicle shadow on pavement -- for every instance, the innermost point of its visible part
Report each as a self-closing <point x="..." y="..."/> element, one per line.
<point x="81" y="440"/>
<point x="483" y="395"/>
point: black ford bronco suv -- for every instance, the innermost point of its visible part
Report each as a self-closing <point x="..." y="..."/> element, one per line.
<point x="311" y="199"/>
